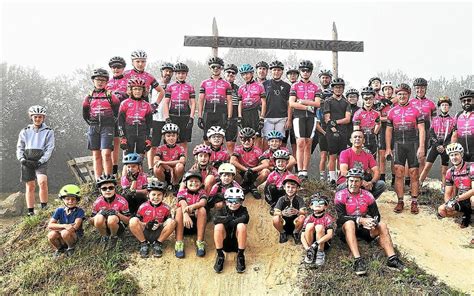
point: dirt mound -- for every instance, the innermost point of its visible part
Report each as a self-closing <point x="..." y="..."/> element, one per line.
<point x="440" y="247"/>
<point x="271" y="267"/>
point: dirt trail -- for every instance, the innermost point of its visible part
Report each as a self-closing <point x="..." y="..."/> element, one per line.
<point x="271" y="267"/>
<point x="440" y="247"/>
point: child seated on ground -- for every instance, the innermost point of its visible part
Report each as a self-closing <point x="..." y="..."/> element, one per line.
<point x="275" y="141"/>
<point x="290" y="211"/>
<point x="201" y="153"/>
<point x="219" y="153"/>
<point x="134" y="182"/>
<point x="65" y="226"/>
<point x="153" y="223"/>
<point x="226" y="180"/>
<point x="274" y="185"/>
<point x="230" y="230"/>
<point x="320" y="224"/>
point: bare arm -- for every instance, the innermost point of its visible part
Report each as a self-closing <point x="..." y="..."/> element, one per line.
<point x="161" y="93"/>
<point x="200" y="105"/>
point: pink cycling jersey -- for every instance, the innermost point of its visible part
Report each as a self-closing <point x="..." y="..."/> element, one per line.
<point x="465" y="124"/>
<point x="248" y="157"/>
<point x="141" y="182"/>
<point x="442" y="127"/>
<point x="404" y="120"/>
<point x="251" y="94"/>
<point x="219" y="155"/>
<point x="277" y="178"/>
<point x="208" y="170"/>
<point x="119" y="204"/>
<point x="461" y="178"/>
<point x="148" y="212"/>
<point x="118" y="86"/>
<point x="215" y="94"/>
<point x="179" y="94"/>
<point x="269" y="154"/>
<point x="191" y="197"/>
<point x="388" y="105"/>
<point x="356" y="204"/>
<point x="362" y="160"/>
<point x="327" y="221"/>
<point x="150" y="80"/>
<point x="170" y="152"/>
<point x="100" y="107"/>
<point x="366" y="120"/>
<point x="303" y="91"/>
<point x="135" y="111"/>
<point x="426" y="107"/>
<point x="220" y="188"/>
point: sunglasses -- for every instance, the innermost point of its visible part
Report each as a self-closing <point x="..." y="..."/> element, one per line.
<point x="467" y="100"/>
<point x="367" y="98"/>
<point x="101" y="80"/>
<point x="245" y="139"/>
<point x="216" y="66"/>
<point x="231" y="72"/>
<point x="234" y="201"/>
<point x="305" y="70"/>
<point x="109" y="188"/>
<point x="318" y="202"/>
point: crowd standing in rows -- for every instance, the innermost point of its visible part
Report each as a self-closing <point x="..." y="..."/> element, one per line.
<point x="264" y="115"/>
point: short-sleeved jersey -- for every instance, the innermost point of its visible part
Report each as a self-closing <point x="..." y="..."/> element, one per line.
<point x="442" y="128"/>
<point x="150" y="81"/>
<point x="119" y="204"/>
<point x="142" y="181"/>
<point x="170" y="153"/>
<point x="366" y="120"/>
<point x="101" y="107"/>
<point x="118" y="86"/>
<point x="327" y="221"/>
<point x="215" y="94"/>
<point x="268" y="154"/>
<point x="461" y="178"/>
<point x="356" y="204"/>
<point x="337" y="108"/>
<point x="248" y="157"/>
<point x="362" y="160"/>
<point x="304" y="91"/>
<point x="277" y="178"/>
<point x="191" y="197"/>
<point x="251" y="94"/>
<point x="219" y="155"/>
<point x="179" y="94"/>
<point x="148" y="212"/>
<point x="465" y="124"/>
<point x="278" y="94"/>
<point x="285" y="202"/>
<point x="209" y="170"/>
<point x="135" y="111"/>
<point x="62" y="217"/>
<point x="426" y="107"/>
<point x="404" y="120"/>
<point x="220" y="188"/>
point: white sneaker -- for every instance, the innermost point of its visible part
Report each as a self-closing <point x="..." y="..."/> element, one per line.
<point x="320" y="258"/>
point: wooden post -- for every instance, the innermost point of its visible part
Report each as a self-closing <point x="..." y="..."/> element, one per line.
<point x="215" y="33"/>
<point x="334" y="53"/>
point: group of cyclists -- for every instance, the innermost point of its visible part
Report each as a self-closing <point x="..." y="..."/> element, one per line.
<point x="246" y="131"/>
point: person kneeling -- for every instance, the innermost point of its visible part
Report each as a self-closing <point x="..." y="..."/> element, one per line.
<point x="153" y="223"/>
<point x="65" y="226"/>
<point x="230" y="230"/>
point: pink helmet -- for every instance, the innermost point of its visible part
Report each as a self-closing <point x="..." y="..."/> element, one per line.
<point x="201" y="148"/>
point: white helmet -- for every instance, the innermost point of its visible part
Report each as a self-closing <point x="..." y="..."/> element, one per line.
<point x="215" y="130"/>
<point x="387" y="83"/>
<point x="170" y="128"/>
<point x="226" y="168"/>
<point x="37" y="110"/>
<point x="454" y="147"/>
<point x="139" y="54"/>
<point x="234" y="192"/>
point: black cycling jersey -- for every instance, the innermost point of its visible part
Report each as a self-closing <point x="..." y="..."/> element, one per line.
<point x="337" y="109"/>
<point x="278" y="94"/>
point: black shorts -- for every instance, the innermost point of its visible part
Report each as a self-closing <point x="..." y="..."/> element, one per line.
<point x="433" y="154"/>
<point x="336" y="144"/>
<point x="323" y="142"/>
<point x="135" y="201"/>
<point x="182" y="122"/>
<point x="211" y="202"/>
<point x="192" y="230"/>
<point x="100" y="137"/>
<point x="136" y="136"/>
<point x="231" y="131"/>
<point x="406" y="152"/>
<point x="152" y="235"/>
<point x="156" y="127"/>
<point x="213" y="119"/>
<point x="304" y="127"/>
<point x="361" y="233"/>
<point x="29" y="174"/>
<point x="289" y="226"/>
<point x="382" y="144"/>
<point x="250" y="118"/>
<point x="289" y="134"/>
<point x="120" y="230"/>
<point x="230" y="242"/>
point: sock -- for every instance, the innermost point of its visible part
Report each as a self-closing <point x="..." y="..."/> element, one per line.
<point x="322" y="175"/>
<point x="44" y="205"/>
<point x="382" y="177"/>
<point x="240" y="252"/>
<point x="400" y="199"/>
<point x="357" y="258"/>
<point x="332" y="175"/>
<point x="220" y="252"/>
<point x="392" y="257"/>
<point x="31" y="210"/>
<point x="414" y="199"/>
<point x="143" y="242"/>
<point x="115" y="169"/>
<point x="407" y="181"/>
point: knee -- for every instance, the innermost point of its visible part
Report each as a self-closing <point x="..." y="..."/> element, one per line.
<point x="43" y="182"/>
<point x="201" y="212"/>
<point x="99" y="220"/>
<point x="134" y="222"/>
<point x="241" y="227"/>
<point x="265" y="172"/>
<point x="383" y="228"/>
<point x="277" y="220"/>
<point x="319" y="229"/>
<point x="219" y="228"/>
<point x="111" y="220"/>
<point x="349" y="226"/>
<point x="179" y="166"/>
<point x="52" y="235"/>
<point x="171" y="223"/>
<point x="30" y="186"/>
<point x="66" y="234"/>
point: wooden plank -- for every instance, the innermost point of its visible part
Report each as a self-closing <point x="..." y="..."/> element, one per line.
<point x="335" y="62"/>
<point x="215" y="34"/>
<point x="274" y="43"/>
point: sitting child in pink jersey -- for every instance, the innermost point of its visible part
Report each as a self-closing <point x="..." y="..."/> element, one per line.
<point x="134" y="182"/>
<point x="219" y="154"/>
<point x="202" y="153"/>
<point x="275" y="141"/>
<point x="274" y="185"/>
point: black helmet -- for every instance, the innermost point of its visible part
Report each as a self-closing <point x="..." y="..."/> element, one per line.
<point x="352" y="91"/>
<point x="373" y="79"/>
<point x="305" y="64"/>
<point x="181" y="67"/>
<point x="215" y="60"/>
<point x="403" y="87"/>
<point x="247" y="132"/>
<point x="420" y="82"/>
<point x="105" y="179"/>
<point x="338" y="81"/>
<point x="261" y="64"/>
<point x="232" y="67"/>
<point x="99" y="72"/>
<point x="156" y="185"/>
<point x="117" y="61"/>
<point x="192" y="174"/>
<point x="367" y="91"/>
<point x="467" y="93"/>
<point x="292" y="69"/>
<point x="358" y="173"/>
<point x="325" y="72"/>
<point x="166" y="65"/>
<point x="276" y="64"/>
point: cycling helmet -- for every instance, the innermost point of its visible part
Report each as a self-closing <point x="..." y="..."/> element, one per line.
<point x="192" y="174"/>
<point x="156" y="185"/>
<point x="467" y="93"/>
<point x="356" y="173"/>
<point x="117" y="61"/>
<point x="292" y="178"/>
<point x="181" y="67"/>
<point x="454" y="147"/>
<point x="275" y="135"/>
<point x="231" y="67"/>
<point x="445" y="99"/>
<point x="305" y="64"/>
<point x="105" y="179"/>
<point x="99" y="72"/>
<point x="373" y="79"/>
<point x="226" y="168"/>
<point x="338" y="81"/>
<point x="234" y="192"/>
<point x="246" y="68"/>
<point x="403" y="87"/>
<point x="327" y="93"/>
<point x="139" y="54"/>
<point x="166" y="65"/>
<point x="70" y="190"/>
<point x="261" y="64"/>
<point x="352" y="91"/>
<point x="201" y="148"/>
<point x="170" y="128"/>
<point x="292" y="69"/>
<point x="37" y="110"/>
<point x="325" y="72"/>
<point x="215" y="130"/>
<point x="367" y="91"/>
<point x="247" y="132"/>
<point x="276" y="64"/>
<point x="136" y="81"/>
<point x="281" y="154"/>
<point x="132" y="158"/>
<point x="215" y="61"/>
<point x="317" y="196"/>
<point x="387" y="83"/>
<point x="420" y="82"/>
